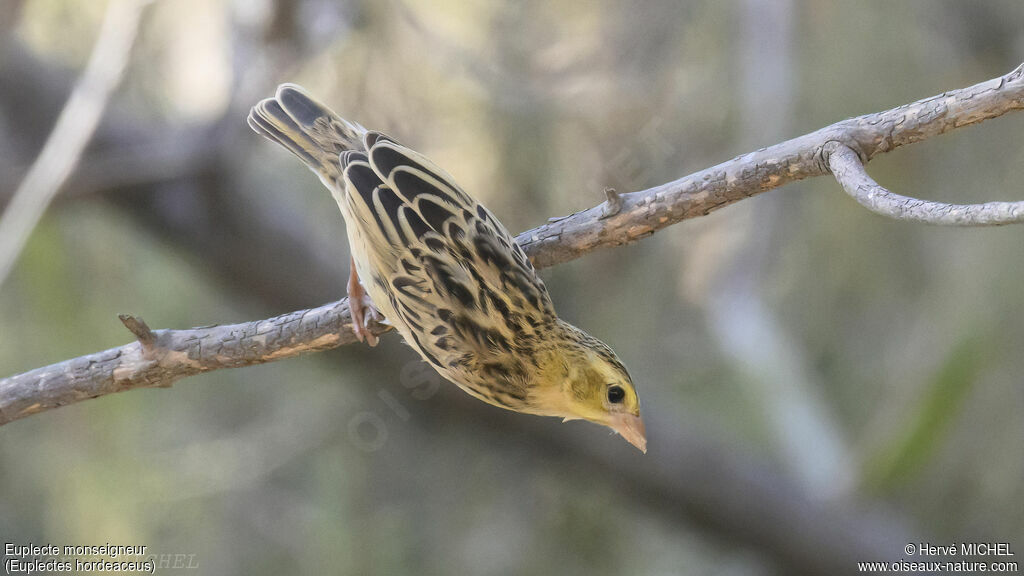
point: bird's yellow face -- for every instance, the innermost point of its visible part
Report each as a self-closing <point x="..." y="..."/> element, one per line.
<point x="599" y="389"/>
<point x="583" y="379"/>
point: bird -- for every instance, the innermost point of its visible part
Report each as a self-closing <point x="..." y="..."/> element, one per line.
<point x="434" y="263"/>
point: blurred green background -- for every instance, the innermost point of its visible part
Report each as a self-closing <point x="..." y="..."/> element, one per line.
<point x="822" y="385"/>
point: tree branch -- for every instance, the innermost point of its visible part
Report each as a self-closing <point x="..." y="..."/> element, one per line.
<point x="644" y="213"/>
<point x="175" y="354"/>
<point x="850" y="172"/>
<point x="161" y="357"/>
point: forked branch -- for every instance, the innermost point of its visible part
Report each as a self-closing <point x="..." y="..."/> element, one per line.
<point x="850" y="172"/>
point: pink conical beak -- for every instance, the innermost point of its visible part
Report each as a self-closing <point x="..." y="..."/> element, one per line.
<point x="632" y="429"/>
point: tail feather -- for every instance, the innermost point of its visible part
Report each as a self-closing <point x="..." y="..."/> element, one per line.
<point x="270" y="120"/>
<point x="308" y="129"/>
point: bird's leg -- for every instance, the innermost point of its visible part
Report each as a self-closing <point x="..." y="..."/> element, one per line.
<point x="361" y="306"/>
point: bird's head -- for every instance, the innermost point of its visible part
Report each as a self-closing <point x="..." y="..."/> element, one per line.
<point x="587" y="381"/>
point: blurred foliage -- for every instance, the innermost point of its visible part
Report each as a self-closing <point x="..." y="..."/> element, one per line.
<point x="909" y="336"/>
<point x="926" y="426"/>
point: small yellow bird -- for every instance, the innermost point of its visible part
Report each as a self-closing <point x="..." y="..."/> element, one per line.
<point x="448" y="276"/>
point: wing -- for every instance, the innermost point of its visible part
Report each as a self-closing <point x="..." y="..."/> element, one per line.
<point x="453" y="275"/>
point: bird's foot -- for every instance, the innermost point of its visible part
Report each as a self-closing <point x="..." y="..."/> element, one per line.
<point x="362" y="308"/>
<point x="363" y="313"/>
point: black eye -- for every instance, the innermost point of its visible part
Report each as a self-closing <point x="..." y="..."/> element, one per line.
<point x="616" y="394"/>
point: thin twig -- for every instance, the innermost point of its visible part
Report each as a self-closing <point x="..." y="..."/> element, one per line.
<point x="187" y="352"/>
<point x="850" y="172"/>
<point x="142" y="332"/>
<point x="612" y="204"/>
<point x="73" y="130"/>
